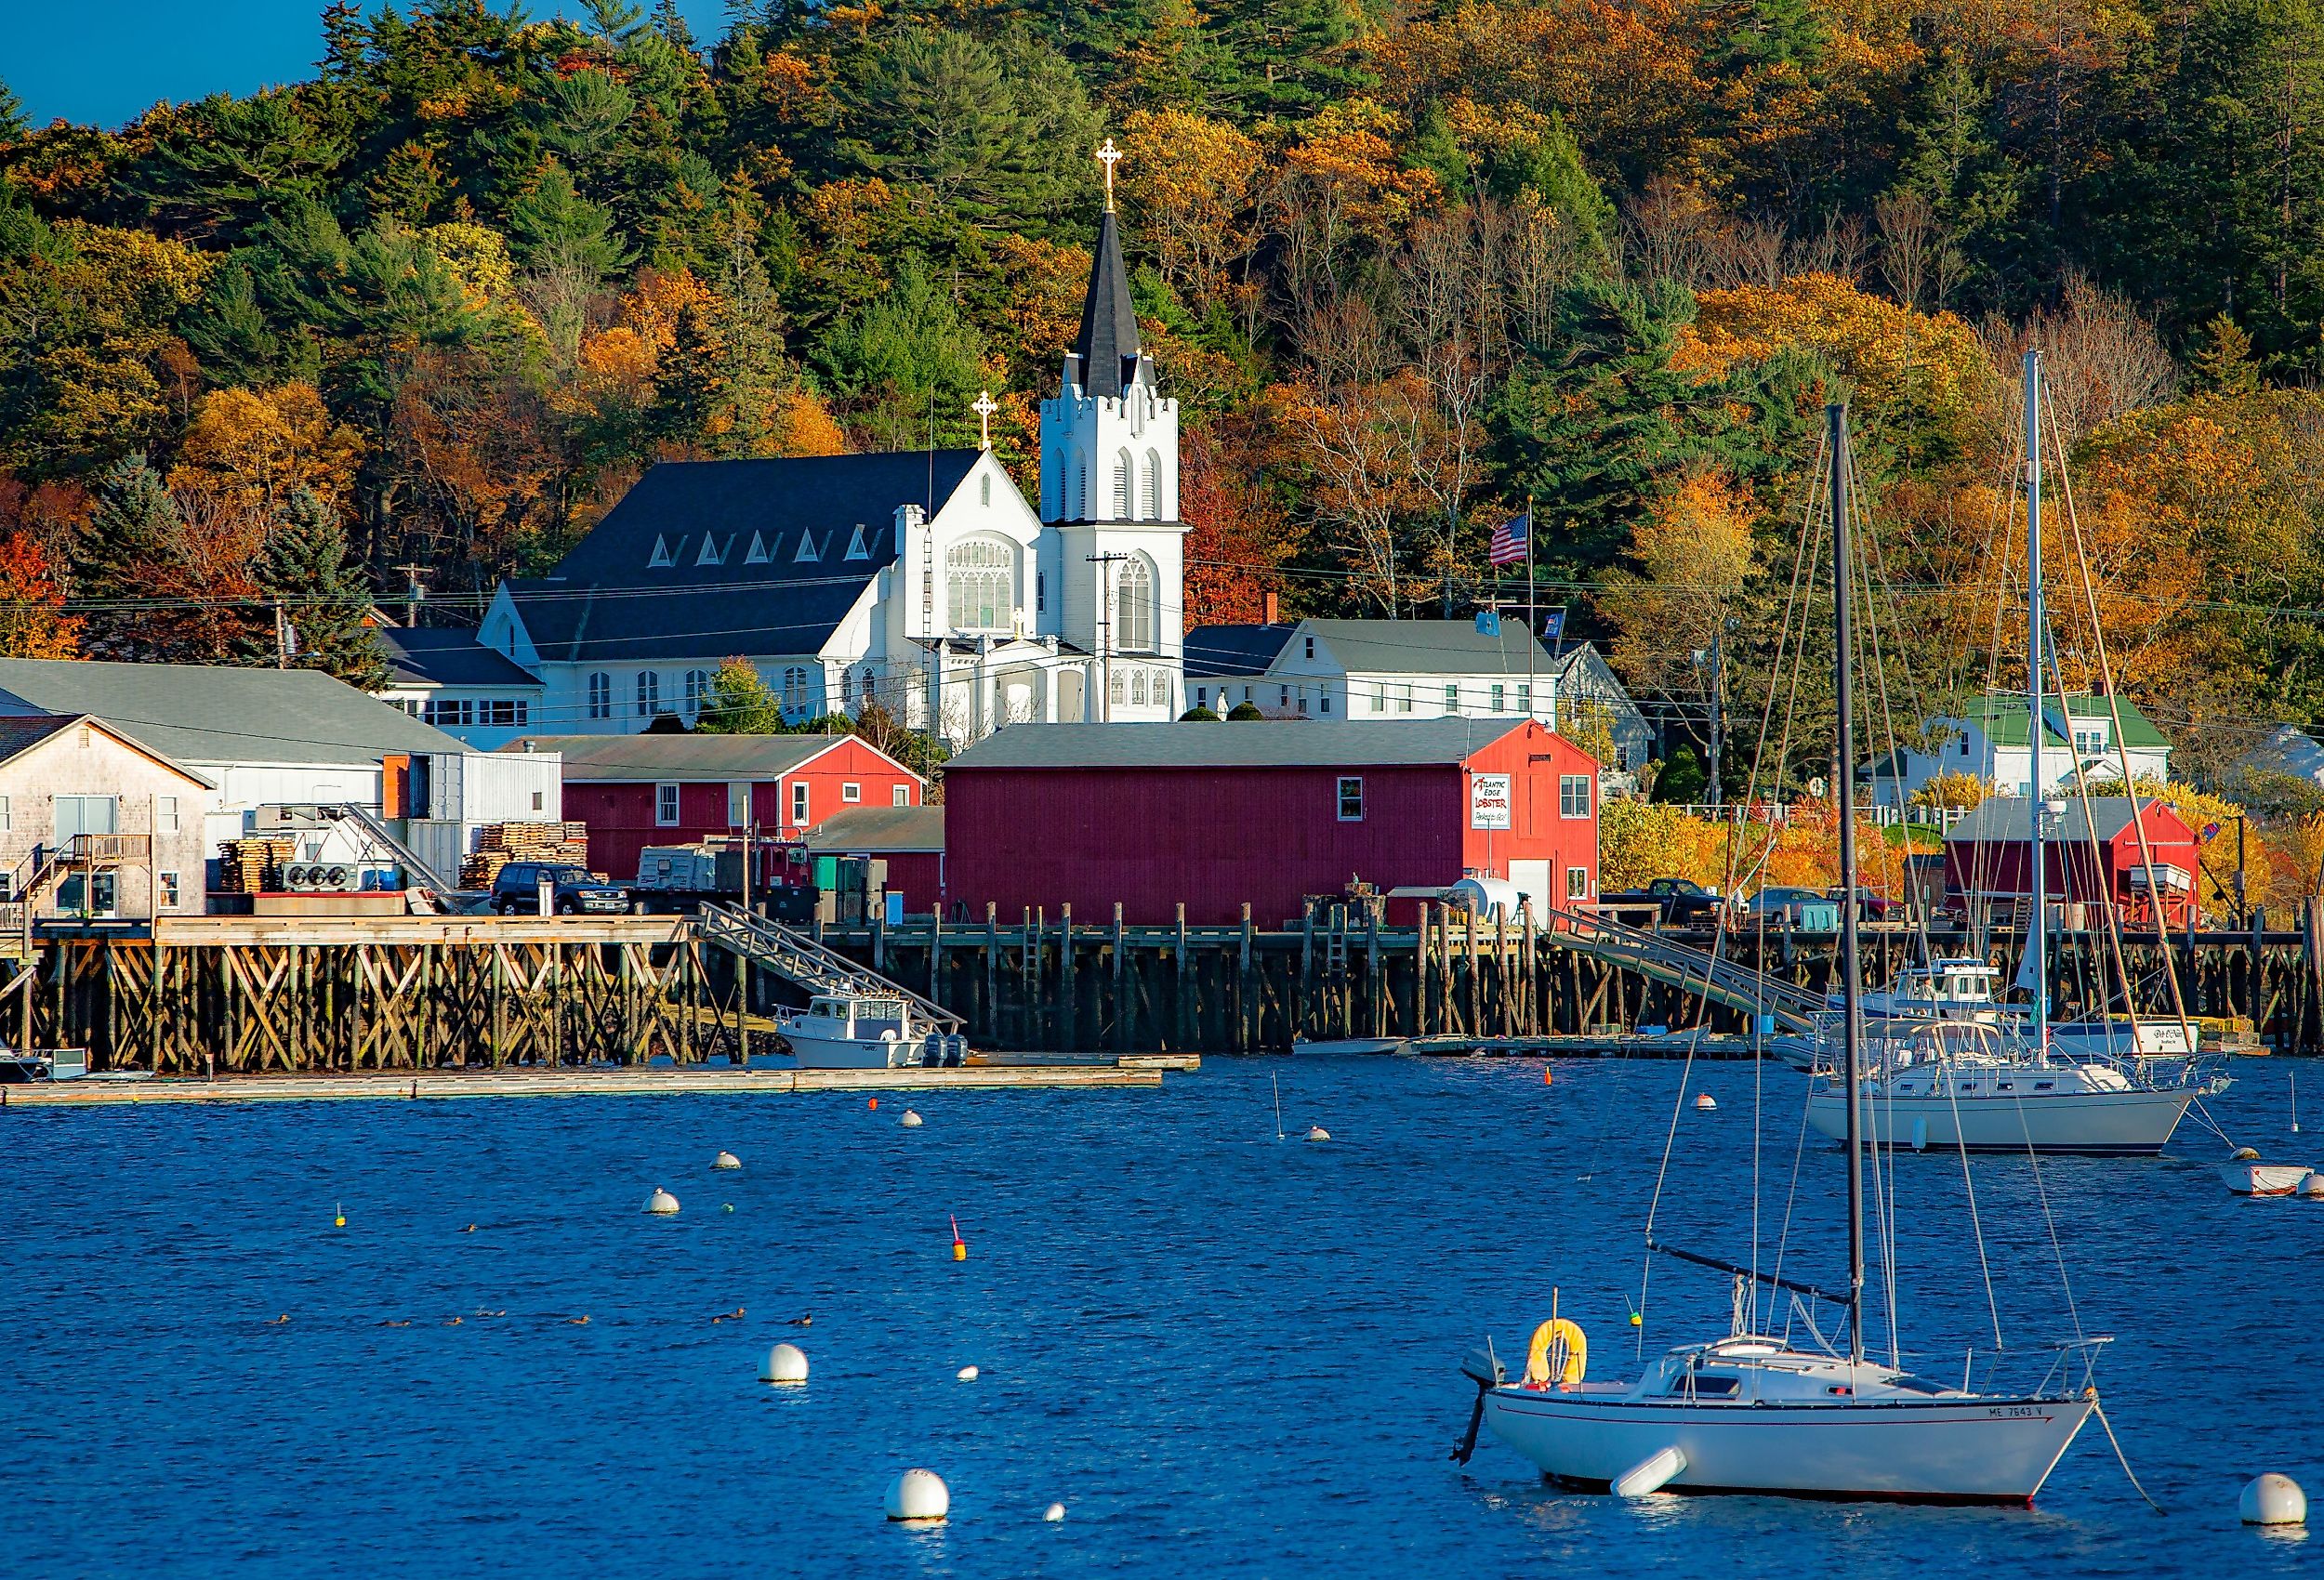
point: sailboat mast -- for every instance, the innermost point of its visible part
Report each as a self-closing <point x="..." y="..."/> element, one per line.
<point x="1851" y="1036"/>
<point x="2036" y="624"/>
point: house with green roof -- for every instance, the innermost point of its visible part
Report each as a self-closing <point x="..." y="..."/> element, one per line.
<point x="1990" y="740"/>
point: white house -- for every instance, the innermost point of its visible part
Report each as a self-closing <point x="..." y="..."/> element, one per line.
<point x="923" y="580"/>
<point x="444" y="677"/>
<point x="1989" y="742"/>
<point x="1390" y="669"/>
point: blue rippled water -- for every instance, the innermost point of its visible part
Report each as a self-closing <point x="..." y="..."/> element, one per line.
<point x="1225" y="1355"/>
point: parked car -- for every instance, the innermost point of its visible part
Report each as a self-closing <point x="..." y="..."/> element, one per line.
<point x="1780" y="904"/>
<point x="517" y="890"/>
<point x="1874" y="907"/>
<point x="1680" y="902"/>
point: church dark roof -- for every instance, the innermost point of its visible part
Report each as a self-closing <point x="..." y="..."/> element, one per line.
<point x="731" y="556"/>
<point x="1108" y="345"/>
<point x="1234" y="649"/>
<point x="435" y="655"/>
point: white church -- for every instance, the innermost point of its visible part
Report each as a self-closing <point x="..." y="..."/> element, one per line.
<point x="922" y="580"/>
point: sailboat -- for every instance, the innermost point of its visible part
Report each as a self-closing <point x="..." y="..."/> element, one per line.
<point x="1750" y="1412"/>
<point x="2010" y="1079"/>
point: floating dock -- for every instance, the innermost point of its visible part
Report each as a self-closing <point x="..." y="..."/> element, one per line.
<point x="383" y="1087"/>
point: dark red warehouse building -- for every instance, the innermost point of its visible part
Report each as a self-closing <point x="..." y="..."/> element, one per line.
<point x="1217" y="814"/>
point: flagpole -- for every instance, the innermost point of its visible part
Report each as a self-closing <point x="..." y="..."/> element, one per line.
<point x="1532" y="640"/>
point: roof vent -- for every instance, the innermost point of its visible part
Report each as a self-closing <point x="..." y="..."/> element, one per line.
<point x="855" y="550"/>
<point x="806" y="554"/>
<point x="758" y="554"/>
<point x="710" y="555"/>
<point x="661" y="555"/>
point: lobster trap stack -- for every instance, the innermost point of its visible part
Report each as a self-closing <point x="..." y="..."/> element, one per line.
<point x="497" y="844"/>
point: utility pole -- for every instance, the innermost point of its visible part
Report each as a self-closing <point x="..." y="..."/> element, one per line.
<point x="281" y="642"/>
<point x="415" y="592"/>
<point x="1105" y="563"/>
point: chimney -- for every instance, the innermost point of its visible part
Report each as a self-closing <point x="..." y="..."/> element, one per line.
<point x="1271" y="608"/>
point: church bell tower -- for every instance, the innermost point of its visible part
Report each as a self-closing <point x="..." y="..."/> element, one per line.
<point x="1109" y="487"/>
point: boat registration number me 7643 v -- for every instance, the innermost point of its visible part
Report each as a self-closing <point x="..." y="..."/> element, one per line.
<point x="2007" y="1411"/>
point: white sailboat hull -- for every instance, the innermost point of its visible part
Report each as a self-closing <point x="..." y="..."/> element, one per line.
<point x="1959" y="1451"/>
<point x="2120" y="1124"/>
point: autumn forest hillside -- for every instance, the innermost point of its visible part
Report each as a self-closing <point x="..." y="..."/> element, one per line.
<point x="426" y="315"/>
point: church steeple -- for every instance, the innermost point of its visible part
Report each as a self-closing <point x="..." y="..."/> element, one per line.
<point x="1106" y="351"/>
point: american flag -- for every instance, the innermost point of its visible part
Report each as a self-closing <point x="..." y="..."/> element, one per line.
<point x="1513" y="540"/>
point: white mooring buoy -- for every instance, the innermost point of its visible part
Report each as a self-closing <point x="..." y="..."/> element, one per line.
<point x="1706" y="1102"/>
<point x="1317" y="1133"/>
<point x="726" y="1160"/>
<point x="965" y="1374"/>
<point x="910" y="1120"/>
<point x="918" y="1494"/>
<point x="785" y="1363"/>
<point x="661" y="1204"/>
<point x="2273" y="1499"/>
<point x="1054" y="1514"/>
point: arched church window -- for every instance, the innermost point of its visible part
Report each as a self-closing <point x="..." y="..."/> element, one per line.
<point x="795" y="691"/>
<point x="649" y="693"/>
<point x="601" y="695"/>
<point x="1121" y="486"/>
<point x="981" y="584"/>
<point x="697" y="692"/>
<point x="1150" y="494"/>
<point x="1133" y="605"/>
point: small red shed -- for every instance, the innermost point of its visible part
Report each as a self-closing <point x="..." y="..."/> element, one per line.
<point x="1213" y="815"/>
<point x="1985" y="854"/>
<point x="910" y="839"/>
<point x="634" y="791"/>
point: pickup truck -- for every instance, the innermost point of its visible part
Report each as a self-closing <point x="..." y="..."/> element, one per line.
<point x="675" y="879"/>
<point x="1680" y="902"/>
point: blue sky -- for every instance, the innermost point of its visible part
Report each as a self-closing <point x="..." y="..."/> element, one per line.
<point x="105" y="60"/>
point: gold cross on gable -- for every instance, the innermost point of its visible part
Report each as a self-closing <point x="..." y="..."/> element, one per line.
<point x="984" y="406"/>
<point x="1108" y="155"/>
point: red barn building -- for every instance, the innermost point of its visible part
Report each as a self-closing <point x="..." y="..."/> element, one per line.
<point x="639" y="790"/>
<point x="1986" y="855"/>
<point x="1217" y="814"/>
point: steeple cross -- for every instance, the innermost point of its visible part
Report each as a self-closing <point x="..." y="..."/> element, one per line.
<point x="984" y="406"/>
<point x="1108" y="155"/>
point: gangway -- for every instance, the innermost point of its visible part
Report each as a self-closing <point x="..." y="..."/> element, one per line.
<point x="1697" y="971"/>
<point x="799" y="959"/>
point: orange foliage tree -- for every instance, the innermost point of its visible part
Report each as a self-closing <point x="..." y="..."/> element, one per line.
<point x="32" y="621"/>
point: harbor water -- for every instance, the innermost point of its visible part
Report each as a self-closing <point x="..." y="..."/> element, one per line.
<point x="1225" y="1353"/>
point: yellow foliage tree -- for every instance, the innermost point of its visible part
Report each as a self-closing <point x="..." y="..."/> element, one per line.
<point x="1639" y="841"/>
<point x="1891" y="355"/>
<point x="256" y="448"/>
<point x="1691" y="559"/>
<point x="1952" y="792"/>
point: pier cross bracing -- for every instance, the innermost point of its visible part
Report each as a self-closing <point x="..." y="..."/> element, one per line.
<point x="226" y="994"/>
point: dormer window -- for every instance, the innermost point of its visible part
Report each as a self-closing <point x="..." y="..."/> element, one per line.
<point x="758" y="553"/>
<point x="855" y="547"/>
<point x="661" y="556"/>
<point x="709" y="555"/>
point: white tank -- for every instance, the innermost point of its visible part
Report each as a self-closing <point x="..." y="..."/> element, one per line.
<point x="1490" y="898"/>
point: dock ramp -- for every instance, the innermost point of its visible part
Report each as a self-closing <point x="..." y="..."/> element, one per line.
<point x="1692" y="970"/>
<point x="801" y="961"/>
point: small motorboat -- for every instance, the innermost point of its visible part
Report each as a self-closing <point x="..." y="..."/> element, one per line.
<point x="850" y="1032"/>
<point x="2251" y="1179"/>
<point x="1329" y="1045"/>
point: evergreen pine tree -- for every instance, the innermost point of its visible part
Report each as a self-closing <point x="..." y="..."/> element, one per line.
<point x="324" y="599"/>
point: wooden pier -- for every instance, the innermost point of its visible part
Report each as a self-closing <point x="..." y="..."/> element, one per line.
<point x="215" y="996"/>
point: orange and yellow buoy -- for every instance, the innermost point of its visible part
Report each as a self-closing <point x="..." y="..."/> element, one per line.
<point x="960" y="1247"/>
